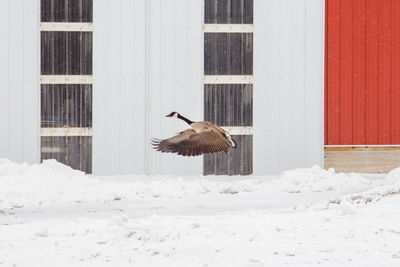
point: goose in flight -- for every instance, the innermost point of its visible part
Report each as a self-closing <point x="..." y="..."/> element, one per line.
<point x="202" y="138"/>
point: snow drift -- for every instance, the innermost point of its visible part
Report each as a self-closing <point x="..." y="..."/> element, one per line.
<point x="52" y="183"/>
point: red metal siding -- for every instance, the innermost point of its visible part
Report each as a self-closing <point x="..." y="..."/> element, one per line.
<point x="362" y="72"/>
<point x="396" y="72"/>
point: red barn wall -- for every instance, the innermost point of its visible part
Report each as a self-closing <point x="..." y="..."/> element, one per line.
<point x="362" y="72"/>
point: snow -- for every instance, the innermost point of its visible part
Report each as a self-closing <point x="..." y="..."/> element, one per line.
<point x="51" y="215"/>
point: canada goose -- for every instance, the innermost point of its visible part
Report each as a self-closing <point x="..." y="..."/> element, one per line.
<point x="203" y="137"/>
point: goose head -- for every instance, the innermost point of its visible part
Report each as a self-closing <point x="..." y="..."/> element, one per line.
<point x="173" y="114"/>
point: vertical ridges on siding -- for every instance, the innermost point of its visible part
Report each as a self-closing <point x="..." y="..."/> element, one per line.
<point x="371" y="61"/>
<point x="360" y="67"/>
<point x="359" y="74"/>
<point x="346" y="72"/>
<point x="332" y="118"/>
<point x="385" y="55"/>
<point x="395" y="73"/>
<point x="288" y="92"/>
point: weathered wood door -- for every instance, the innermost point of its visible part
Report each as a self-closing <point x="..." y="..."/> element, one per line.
<point x="66" y="82"/>
<point x="228" y="88"/>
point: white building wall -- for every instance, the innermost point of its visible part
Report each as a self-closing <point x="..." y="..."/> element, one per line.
<point x="148" y="61"/>
<point x="19" y="80"/>
<point x="288" y="84"/>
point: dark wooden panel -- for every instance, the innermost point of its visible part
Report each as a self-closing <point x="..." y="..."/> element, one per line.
<point x="228" y="53"/>
<point x="66" y="53"/>
<point x="66" y="105"/>
<point x="80" y="53"/>
<point x="74" y="10"/>
<point x="246" y="155"/>
<point x="74" y="151"/>
<point x="46" y="53"/>
<point x="66" y="10"/>
<point x="236" y="162"/>
<point x="53" y="53"/>
<point x="229" y="104"/>
<point x="228" y="11"/>
<point x="86" y="56"/>
<point x="87" y="11"/>
<point x="60" y="52"/>
<point x="74" y="53"/>
<point x="45" y="10"/>
<point x="59" y="9"/>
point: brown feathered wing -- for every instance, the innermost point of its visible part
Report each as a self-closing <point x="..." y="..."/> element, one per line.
<point x="191" y="143"/>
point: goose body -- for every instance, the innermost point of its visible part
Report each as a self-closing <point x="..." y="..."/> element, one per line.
<point x="202" y="137"/>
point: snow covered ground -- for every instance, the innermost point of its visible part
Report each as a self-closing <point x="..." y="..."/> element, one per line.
<point x="51" y="215"/>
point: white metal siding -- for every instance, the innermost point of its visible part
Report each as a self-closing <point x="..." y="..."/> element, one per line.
<point x="288" y="84"/>
<point x="19" y="80"/>
<point x="148" y="61"/>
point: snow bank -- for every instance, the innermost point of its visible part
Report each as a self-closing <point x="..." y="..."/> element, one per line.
<point x="387" y="187"/>
<point x="271" y="234"/>
<point x="38" y="184"/>
<point x="317" y="179"/>
<point x="53" y="183"/>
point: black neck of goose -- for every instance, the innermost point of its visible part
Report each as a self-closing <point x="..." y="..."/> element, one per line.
<point x="185" y="119"/>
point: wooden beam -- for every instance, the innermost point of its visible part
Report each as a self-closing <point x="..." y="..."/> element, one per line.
<point x="66" y="79"/>
<point x="239" y="130"/>
<point x="228" y="79"/>
<point x="66" y="26"/>
<point x="67" y="131"/>
<point x="229" y="28"/>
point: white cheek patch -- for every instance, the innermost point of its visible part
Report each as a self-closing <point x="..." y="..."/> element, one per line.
<point x="175" y="115"/>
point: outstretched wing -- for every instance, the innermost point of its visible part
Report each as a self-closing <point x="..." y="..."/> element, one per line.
<point x="191" y="143"/>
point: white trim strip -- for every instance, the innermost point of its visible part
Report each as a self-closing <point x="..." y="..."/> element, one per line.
<point x="362" y="146"/>
<point x="239" y="130"/>
<point x="66" y="79"/>
<point x="228" y="79"/>
<point x="68" y="131"/>
<point x="229" y="28"/>
<point x="66" y="27"/>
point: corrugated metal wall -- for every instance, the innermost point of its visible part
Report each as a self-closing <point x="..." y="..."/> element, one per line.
<point x="362" y="72"/>
<point x="288" y="84"/>
<point x="148" y="62"/>
<point x="19" y="80"/>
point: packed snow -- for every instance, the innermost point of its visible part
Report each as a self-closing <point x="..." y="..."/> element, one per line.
<point x="52" y="215"/>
